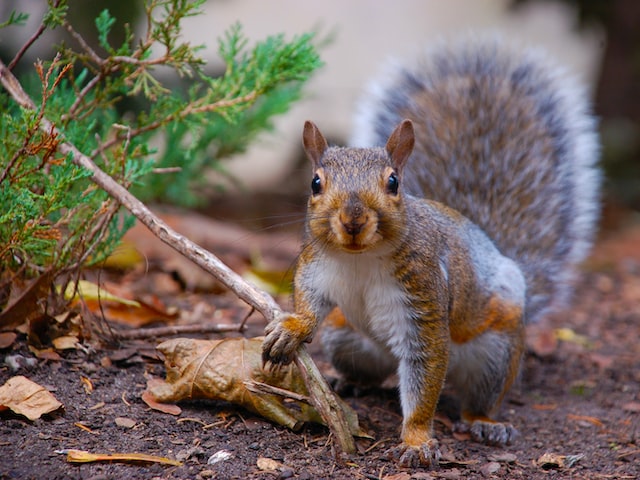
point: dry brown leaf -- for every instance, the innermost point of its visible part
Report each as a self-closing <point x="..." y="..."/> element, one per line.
<point x="585" y="418"/>
<point x="398" y="476"/>
<point x="116" y="303"/>
<point x="29" y="304"/>
<point x="27" y="398"/>
<point x="550" y="460"/>
<point x="125" y="422"/>
<point x="80" y="456"/>
<point x="221" y="369"/>
<point x="268" y="464"/>
<point x="65" y="342"/>
<point x="124" y="257"/>
<point x="7" y="339"/>
<point x="150" y="400"/>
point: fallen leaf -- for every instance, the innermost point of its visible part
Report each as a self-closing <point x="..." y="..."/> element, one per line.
<point x="554" y="461"/>
<point x="222" y="369"/>
<point x="125" y="422"/>
<point x="81" y="456"/>
<point x="550" y="460"/>
<point x="28" y="305"/>
<point x="85" y="428"/>
<point x="125" y="256"/>
<point x="585" y="418"/>
<point x="489" y="468"/>
<point x="47" y="354"/>
<point x="27" y="398"/>
<point x="503" y="457"/>
<point x="45" y="330"/>
<point x="268" y="464"/>
<point x="568" y="335"/>
<point x="85" y="290"/>
<point x="86" y="383"/>
<point x="65" y="342"/>
<point x="150" y="400"/>
<point x="398" y="476"/>
<point x="138" y="316"/>
<point x="7" y="339"/>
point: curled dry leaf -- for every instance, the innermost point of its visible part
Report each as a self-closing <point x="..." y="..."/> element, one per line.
<point x="550" y="461"/>
<point x="27" y="398"/>
<point x="221" y="370"/>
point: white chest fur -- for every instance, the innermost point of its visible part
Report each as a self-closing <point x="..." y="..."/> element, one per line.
<point x="372" y="300"/>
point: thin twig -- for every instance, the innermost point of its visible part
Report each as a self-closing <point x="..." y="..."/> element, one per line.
<point x="189" y="110"/>
<point x="30" y="42"/>
<point x="322" y="397"/>
<point x="260" y="387"/>
<point x="325" y="401"/>
<point x="140" y="333"/>
<point x="85" y="46"/>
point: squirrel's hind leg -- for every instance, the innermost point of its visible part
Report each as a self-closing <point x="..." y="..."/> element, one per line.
<point x="482" y="371"/>
<point x="357" y="357"/>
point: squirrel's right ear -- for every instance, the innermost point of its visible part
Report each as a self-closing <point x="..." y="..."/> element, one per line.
<point x="314" y="143"/>
<point x="400" y="144"/>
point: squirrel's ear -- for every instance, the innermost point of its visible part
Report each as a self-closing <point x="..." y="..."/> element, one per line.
<point x="400" y="144"/>
<point x="314" y="142"/>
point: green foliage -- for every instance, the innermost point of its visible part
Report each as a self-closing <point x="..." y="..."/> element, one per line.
<point x="15" y="18"/>
<point x="111" y="103"/>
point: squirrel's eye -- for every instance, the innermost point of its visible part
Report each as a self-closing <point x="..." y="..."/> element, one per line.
<point x="392" y="184"/>
<point x="316" y="184"/>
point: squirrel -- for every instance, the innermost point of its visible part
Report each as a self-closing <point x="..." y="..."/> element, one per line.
<point x="440" y="246"/>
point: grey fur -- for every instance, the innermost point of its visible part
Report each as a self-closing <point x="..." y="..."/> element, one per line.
<point x="506" y="138"/>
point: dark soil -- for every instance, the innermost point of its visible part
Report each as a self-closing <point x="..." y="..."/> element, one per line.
<point x="578" y="400"/>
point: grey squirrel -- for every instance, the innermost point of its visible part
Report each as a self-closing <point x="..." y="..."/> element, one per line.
<point x="439" y="246"/>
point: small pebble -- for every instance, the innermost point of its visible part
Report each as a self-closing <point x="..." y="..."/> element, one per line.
<point x="220" y="456"/>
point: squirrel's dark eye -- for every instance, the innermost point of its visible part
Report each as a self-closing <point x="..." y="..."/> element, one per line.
<point x="316" y="184"/>
<point x="392" y="184"/>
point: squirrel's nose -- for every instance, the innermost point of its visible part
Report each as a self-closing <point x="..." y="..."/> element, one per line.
<point x="353" y="227"/>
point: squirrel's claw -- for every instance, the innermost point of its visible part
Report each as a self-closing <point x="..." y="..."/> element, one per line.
<point x="408" y="456"/>
<point x="489" y="433"/>
<point x="493" y="433"/>
<point x="280" y="344"/>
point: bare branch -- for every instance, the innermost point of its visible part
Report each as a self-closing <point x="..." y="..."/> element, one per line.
<point x="321" y="395"/>
<point x="30" y="42"/>
<point x="169" y="331"/>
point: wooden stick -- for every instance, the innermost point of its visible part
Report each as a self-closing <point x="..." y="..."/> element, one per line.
<point x="322" y="397"/>
<point x="168" y="331"/>
<point x="324" y="400"/>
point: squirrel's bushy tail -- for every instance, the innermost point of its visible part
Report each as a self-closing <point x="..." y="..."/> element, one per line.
<point x="506" y="138"/>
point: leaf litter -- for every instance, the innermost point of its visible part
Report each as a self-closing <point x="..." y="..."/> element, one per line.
<point x="576" y="401"/>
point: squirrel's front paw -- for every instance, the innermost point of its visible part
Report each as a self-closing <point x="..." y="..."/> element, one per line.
<point x="283" y="336"/>
<point x="426" y="454"/>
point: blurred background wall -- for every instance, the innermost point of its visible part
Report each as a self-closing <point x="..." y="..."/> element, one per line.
<point x="597" y="40"/>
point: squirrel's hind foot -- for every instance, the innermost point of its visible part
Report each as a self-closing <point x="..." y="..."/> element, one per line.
<point x="408" y="456"/>
<point x="489" y="432"/>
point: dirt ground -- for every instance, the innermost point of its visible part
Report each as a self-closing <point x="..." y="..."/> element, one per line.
<point x="577" y="404"/>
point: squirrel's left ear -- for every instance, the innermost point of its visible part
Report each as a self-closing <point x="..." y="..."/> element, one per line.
<point x="314" y="143"/>
<point x="400" y="144"/>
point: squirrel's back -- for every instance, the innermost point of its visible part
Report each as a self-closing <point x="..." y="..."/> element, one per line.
<point x="504" y="137"/>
